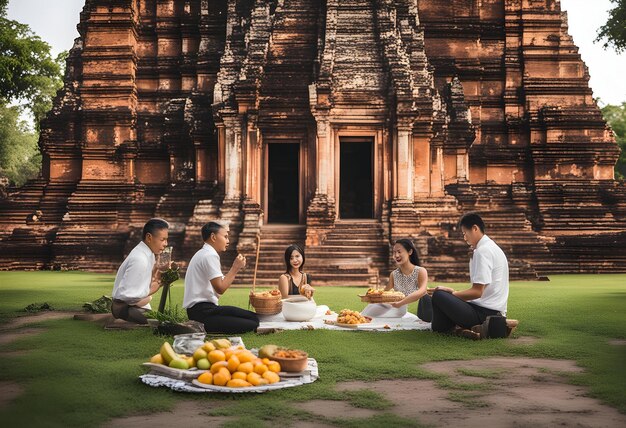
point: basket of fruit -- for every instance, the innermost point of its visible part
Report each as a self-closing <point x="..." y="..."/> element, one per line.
<point x="381" y="296"/>
<point x="266" y="302"/>
<point x="291" y="360"/>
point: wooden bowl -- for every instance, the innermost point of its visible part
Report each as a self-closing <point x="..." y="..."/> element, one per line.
<point x="292" y="364"/>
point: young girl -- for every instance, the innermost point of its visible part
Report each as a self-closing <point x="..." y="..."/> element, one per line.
<point x="294" y="281"/>
<point x="409" y="278"/>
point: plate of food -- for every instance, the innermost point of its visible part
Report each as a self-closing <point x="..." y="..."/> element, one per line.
<point x="379" y="295"/>
<point x="351" y="319"/>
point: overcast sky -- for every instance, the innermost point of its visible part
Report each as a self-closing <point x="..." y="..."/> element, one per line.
<point x="55" y="22"/>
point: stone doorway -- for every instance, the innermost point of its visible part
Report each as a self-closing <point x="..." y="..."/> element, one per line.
<point x="356" y="199"/>
<point x="283" y="184"/>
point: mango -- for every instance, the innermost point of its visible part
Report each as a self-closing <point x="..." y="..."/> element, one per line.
<point x="206" y="377"/>
<point x="179" y="363"/>
<point x="215" y="367"/>
<point x="208" y="347"/>
<point x="221" y="343"/>
<point x="167" y="352"/>
<point x="215" y="356"/>
<point x="233" y="363"/>
<point x="237" y="383"/>
<point x="200" y="354"/>
<point x="157" y="359"/>
<point x="240" y="375"/>
<point x="221" y="377"/>
<point x="267" y="351"/>
<point x="271" y="377"/>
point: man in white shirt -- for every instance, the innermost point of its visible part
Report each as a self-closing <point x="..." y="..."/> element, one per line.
<point x="205" y="283"/>
<point x="489" y="275"/>
<point x="137" y="278"/>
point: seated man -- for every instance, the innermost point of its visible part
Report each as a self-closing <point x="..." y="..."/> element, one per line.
<point x="137" y="278"/>
<point x="489" y="275"/>
<point x="205" y="283"/>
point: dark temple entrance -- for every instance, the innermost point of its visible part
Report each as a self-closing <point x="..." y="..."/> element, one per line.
<point x="356" y="178"/>
<point x="283" y="187"/>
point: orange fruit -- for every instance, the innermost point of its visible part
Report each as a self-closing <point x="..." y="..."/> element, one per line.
<point x="206" y="377"/>
<point x="217" y="366"/>
<point x="215" y="356"/>
<point x="254" y="378"/>
<point x="240" y="375"/>
<point x="246" y="357"/>
<point x="233" y="363"/>
<point x="266" y="361"/>
<point x="245" y="367"/>
<point x="260" y="368"/>
<point x="221" y="377"/>
<point x="271" y="377"/>
<point x="237" y="383"/>
<point x="157" y="359"/>
<point x="274" y="366"/>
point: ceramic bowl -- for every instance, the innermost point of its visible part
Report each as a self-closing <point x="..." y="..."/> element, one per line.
<point x="299" y="308"/>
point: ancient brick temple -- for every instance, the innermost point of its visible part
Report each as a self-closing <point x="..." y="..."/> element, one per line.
<point x="342" y="124"/>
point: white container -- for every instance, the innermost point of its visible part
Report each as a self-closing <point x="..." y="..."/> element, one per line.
<point x="299" y="308"/>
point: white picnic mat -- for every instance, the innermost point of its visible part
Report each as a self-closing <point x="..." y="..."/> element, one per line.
<point x="273" y="323"/>
<point x="287" y="380"/>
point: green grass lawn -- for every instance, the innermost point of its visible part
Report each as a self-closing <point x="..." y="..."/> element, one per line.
<point x="77" y="374"/>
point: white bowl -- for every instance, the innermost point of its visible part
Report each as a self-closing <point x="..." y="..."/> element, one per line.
<point x="299" y="308"/>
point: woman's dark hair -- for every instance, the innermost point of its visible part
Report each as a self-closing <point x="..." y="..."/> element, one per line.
<point x="290" y="249"/>
<point x="152" y="226"/>
<point x="410" y="246"/>
<point x="210" y="228"/>
<point x="471" y="219"/>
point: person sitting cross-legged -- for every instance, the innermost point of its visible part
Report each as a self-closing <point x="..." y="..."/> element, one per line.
<point x="205" y="283"/>
<point x="458" y="311"/>
<point x="137" y="278"/>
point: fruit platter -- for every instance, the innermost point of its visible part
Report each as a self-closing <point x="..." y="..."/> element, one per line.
<point x="218" y="365"/>
<point x="379" y="295"/>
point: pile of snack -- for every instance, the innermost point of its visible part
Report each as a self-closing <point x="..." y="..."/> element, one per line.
<point x="347" y="316"/>
<point x="225" y="365"/>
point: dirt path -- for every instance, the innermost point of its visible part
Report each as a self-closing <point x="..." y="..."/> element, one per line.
<point x="12" y="331"/>
<point x="493" y="392"/>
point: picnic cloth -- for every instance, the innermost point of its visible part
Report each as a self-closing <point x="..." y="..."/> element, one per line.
<point x="274" y="323"/>
<point x="288" y="380"/>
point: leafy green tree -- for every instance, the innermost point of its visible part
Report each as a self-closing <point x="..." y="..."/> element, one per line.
<point x="616" y="117"/>
<point x="19" y="155"/>
<point x="29" y="80"/>
<point x="614" y="31"/>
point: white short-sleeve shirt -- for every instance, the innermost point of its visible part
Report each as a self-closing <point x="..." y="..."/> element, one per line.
<point x="490" y="267"/>
<point x="203" y="267"/>
<point x="132" y="282"/>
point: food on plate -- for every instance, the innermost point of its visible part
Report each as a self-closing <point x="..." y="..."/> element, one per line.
<point x="289" y="353"/>
<point x="229" y="366"/>
<point x="329" y="312"/>
<point x="347" y="316"/>
<point x="382" y="292"/>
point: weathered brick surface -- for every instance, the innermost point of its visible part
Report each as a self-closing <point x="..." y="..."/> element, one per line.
<point x="168" y="109"/>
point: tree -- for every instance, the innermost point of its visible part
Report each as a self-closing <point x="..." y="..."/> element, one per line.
<point x="616" y="117"/>
<point x="614" y="31"/>
<point x="29" y="79"/>
<point x="19" y="155"/>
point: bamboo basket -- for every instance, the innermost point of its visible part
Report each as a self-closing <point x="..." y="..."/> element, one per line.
<point x="266" y="305"/>
<point x="263" y="305"/>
